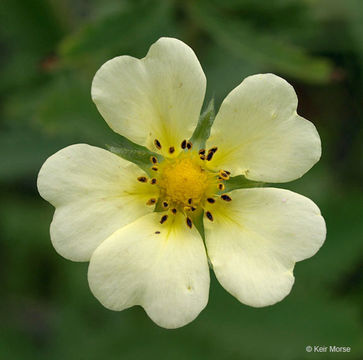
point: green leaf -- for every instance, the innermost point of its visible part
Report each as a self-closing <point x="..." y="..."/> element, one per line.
<point x="240" y="182"/>
<point x="205" y="122"/>
<point x="135" y="153"/>
<point x="257" y="46"/>
<point x="30" y="32"/>
<point x="23" y="150"/>
<point x="135" y="22"/>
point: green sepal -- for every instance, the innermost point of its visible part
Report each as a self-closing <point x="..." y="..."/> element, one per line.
<point x="139" y="155"/>
<point x="159" y="206"/>
<point x="205" y="122"/>
<point x="197" y="218"/>
<point x="240" y="182"/>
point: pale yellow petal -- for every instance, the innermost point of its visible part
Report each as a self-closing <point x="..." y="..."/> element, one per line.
<point x="95" y="193"/>
<point x="157" y="97"/>
<point x="259" y="134"/>
<point x="255" y="240"/>
<point x="162" y="267"/>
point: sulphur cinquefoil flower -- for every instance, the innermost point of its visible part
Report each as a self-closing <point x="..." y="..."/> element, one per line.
<point x="149" y="231"/>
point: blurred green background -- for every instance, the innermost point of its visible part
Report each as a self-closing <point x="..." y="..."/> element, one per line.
<point x="50" y="50"/>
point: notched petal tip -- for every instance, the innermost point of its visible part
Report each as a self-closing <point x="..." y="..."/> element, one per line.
<point x="166" y="86"/>
<point x="255" y="261"/>
<point x="85" y="184"/>
<point x="272" y="142"/>
<point x="166" y="273"/>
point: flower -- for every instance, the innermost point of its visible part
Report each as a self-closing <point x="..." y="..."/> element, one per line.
<point x="142" y="229"/>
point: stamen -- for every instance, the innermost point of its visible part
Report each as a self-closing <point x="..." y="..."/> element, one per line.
<point x="183" y="144"/>
<point x="201" y="153"/>
<point x="171" y="149"/>
<point x="211" y="152"/>
<point x="165" y="204"/>
<point x="210" y="155"/>
<point x="142" y="179"/>
<point x="226" y="197"/>
<point x="157" y="143"/>
<point x="227" y="172"/>
<point x="209" y="215"/>
<point x="151" y="201"/>
<point x="189" y="145"/>
<point x="163" y="219"/>
<point x="221" y="186"/>
<point x="155" y="168"/>
<point x="184" y="183"/>
<point x="153" y="181"/>
<point x="223" y="174"/>
<point x="211" y="200"/>
<point x="157" y="232"/>
<point x="189" y="222"/>
<point x="173" y="210"/>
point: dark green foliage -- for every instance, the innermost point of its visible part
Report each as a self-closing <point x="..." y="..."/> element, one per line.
<point x="50" y="50"/>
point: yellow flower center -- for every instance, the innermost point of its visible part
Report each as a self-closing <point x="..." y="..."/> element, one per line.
<point x="184" y="181"/>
